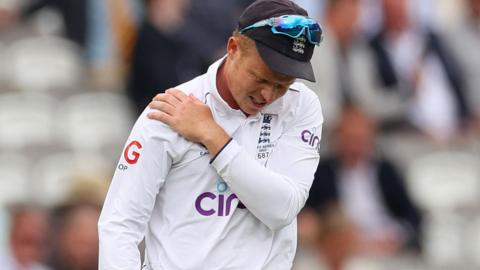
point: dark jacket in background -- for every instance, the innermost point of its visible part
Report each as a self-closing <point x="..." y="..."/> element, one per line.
<point x="435" y="45"/>
<point x="325" y="191"/>
<point x="159" y="62"/>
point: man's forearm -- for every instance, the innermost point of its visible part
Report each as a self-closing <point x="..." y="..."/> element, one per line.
<point x="273" y="198"/>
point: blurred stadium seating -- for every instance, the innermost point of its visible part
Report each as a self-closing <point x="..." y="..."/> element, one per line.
<point x="56" y="175"/>
<point x="58" y="130"/>
<point x="27" y="119"/>
<point x="40" y="64"/>
<point x="14" y="180"/>
<point x="90" y="121"/>
<point x="445" y="181"/>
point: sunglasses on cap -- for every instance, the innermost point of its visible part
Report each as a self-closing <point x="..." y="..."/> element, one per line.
<point x="293" y="26"/>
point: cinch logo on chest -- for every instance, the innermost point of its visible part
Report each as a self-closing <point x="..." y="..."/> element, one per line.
<point x="222" y="203"/>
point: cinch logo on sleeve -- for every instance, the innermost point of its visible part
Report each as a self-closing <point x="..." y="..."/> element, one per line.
<point x="131" y="154"/>
<point x="309" y="137"/>
<point x="208" y="203"/>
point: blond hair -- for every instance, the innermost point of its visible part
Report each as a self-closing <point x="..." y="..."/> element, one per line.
<point x="245" y="43"/>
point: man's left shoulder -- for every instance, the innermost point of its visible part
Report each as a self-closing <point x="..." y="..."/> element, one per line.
<point x="301" y="97"/>
<point x="302" y="90"/>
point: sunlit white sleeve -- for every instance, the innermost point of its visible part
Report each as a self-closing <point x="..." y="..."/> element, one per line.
<point x="277" y="192"/>
<point x="141" y="172"/>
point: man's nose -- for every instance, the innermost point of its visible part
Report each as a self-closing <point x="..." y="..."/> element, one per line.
<point x="268" y="93"/>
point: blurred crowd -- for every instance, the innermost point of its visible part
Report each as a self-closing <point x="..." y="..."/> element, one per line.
<point x="398" y="184"/>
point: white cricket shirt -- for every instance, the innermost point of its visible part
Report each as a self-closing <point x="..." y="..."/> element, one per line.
<point x="235" y="211"/>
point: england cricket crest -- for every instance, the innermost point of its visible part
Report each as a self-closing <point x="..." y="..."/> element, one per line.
<point x="264" y="145"/>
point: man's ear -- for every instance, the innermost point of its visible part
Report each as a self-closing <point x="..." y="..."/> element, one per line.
<point x="232" y="46"/>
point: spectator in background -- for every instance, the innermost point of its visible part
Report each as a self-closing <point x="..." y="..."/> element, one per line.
<point x="333" y="64"/>
<point x="361" y="198"/>
<point x="27" y="239"/>
<point x="160" y="60"/>
<point x="112" y="31"/>
<point x="412" y="80"/>
<point x="75" y="242"/>
<point x="176" y="42"/>
<point x="465" y="41"/>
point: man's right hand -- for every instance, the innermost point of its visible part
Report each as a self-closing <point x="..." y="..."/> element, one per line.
<point x="190" y="118"/>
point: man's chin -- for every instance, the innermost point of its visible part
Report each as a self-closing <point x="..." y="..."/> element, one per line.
<point x="249" y="111"/>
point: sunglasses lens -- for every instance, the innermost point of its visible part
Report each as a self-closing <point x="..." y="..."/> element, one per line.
<point x="291" y="30"/>
<point x="316" y="36"/>
<point x="293" y="26"/>
<point x="314" y="27"/>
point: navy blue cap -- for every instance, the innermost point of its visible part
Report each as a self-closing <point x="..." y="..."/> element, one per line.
<point x="283" y="54"/>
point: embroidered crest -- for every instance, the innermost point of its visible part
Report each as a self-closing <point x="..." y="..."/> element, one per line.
<point x="299" y="45"/>
<point x="264" y="145"/>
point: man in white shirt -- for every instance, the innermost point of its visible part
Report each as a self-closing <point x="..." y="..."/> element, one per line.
<point x="217" y="183"/>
